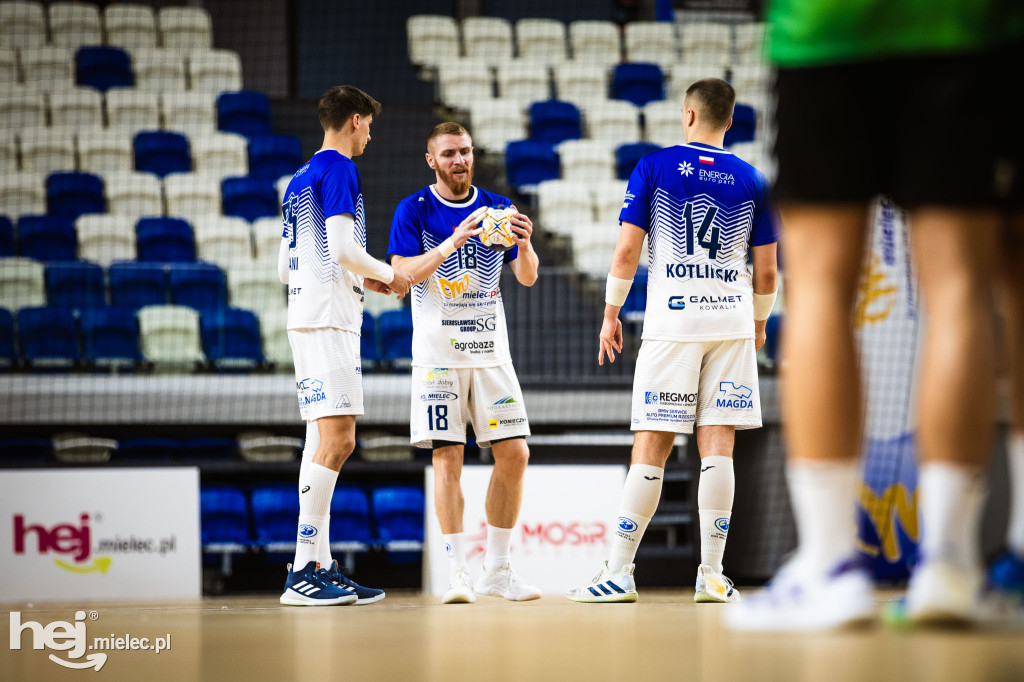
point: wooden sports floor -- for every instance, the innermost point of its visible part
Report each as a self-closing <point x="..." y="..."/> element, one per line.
<point x="412" y="637"/>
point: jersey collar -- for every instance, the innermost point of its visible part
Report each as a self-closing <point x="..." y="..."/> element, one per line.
<point x="706" y="147"/>
<point x="461" y="204"/>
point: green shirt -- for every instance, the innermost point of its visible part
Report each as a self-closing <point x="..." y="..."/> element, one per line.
<point x="818" y="32"/>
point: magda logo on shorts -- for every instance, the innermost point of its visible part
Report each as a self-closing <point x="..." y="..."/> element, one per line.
<point x="735" y="396"/>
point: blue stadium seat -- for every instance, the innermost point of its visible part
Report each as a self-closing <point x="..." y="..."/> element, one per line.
<point x="25" y="451"/>
<point x="71" y="194"/>
<point x="201" y="286"/>
<point x="272" y="156"/>
<point x="627" y="156"/>
<point x="275" y="511"/>
<point x="772" y="328"/>
<point x="111" y="337"/>
<point x="134" y="285"/>
<point x="6" y="237"/>
<point x="528" y="162"/>
<point x="162" y="153"/>
<point x="165" y="240"/>
<point x="396" y="336"/>
<point x="47" y="237"/>
<point x="636" y="302"/>
<point x="638" y="83"/>
<point x="245" y="113"/>
<point x="231" y="338"/>
<point x="369" y="347"/>
<point x="7" y="356"/>
<point x="350" y="516"/>
<point x="209" y="449"/>
<point x="249" y="198"/>
<point x="49" y="338"/>
<point x="744" y="123"/>
<point x="399" y="513"/>
<point x="554" y="121"/>
<point x="75" y="285"/>
<point x="148" y="450"/>
<point x="103" y="68"/>
<point x="224" y="516"/>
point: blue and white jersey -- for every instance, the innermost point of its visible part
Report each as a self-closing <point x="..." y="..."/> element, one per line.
<point x="457" y="314"/>
<point x="321" y="293"/>
<point x="703" y="208"/>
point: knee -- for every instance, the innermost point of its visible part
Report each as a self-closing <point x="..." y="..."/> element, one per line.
<point x="448" y="464"/>
<point x="337" y="450"/>
<point x="513" y="458"/>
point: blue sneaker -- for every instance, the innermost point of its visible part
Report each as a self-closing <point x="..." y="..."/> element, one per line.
<point x="1006" y="575"/>
<point x="313" y="587"/>
<point x="339" y="576"/>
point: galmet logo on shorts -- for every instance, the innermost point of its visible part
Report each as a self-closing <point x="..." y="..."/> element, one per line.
<point x="453" y="288"/>
<point x="699" y="271"/>
<point x="474" y="347"/>
<point x="311" y="391"/>
<point x="735" y="396"/>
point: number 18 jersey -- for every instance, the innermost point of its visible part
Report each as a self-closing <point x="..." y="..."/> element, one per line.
<point x="702" y="208"/>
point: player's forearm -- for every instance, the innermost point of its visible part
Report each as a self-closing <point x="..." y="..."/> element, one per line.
<point x="765" y="280"/>
<point x="344" y="250"/>
<point x="528" y="265"/>
<point x="282" y="262"/>
<point x="420" y="267"/>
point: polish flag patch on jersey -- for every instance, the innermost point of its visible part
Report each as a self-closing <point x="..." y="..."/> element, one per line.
<point x="710" y="160"/>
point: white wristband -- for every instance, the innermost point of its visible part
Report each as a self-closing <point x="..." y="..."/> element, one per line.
<point x="447" y="247"/>
<point x="763" y="304"/>
<point x="616" y="290"/>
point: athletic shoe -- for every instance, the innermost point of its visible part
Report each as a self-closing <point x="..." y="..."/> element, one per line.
<point x="607" y="587"/>
<point x="503" y="581"/>
<point x="941" y="593"/>
<point x="713" y="587"/>
<point x="366" y="595"/>
<point x="798" y="600"/>
<point x="313" y="587"/>
<point x="1006" y="575"/>
<point x="460" y="588"/>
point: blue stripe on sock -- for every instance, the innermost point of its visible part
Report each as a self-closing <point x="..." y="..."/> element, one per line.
<point x="615" y="587"/>
<point x="594" y="592"/>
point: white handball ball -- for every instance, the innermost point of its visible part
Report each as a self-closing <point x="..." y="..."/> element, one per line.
<point x="496" y="228"/>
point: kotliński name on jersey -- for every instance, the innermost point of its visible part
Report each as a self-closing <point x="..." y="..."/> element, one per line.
<point x="699" y="271"/>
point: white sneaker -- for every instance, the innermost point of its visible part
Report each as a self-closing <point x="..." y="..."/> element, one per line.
<point x="941" y="593"/>
<point x="607" y="587"/>
<point x="503" y="581"/>
<point x="713" y="587"/>
<point x="460" y="588"/>
<point x="801" y="600"/>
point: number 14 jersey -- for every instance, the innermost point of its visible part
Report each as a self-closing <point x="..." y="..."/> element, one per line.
<point x="702" y="208"/>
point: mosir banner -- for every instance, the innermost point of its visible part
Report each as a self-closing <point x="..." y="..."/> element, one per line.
<point x="563" y="534"/>
<point x="86" y="534"/>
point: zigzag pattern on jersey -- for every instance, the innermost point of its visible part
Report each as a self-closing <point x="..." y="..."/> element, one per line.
<point x="668" y="237"/>
<point x="484" y="277"/>
<point x="311" y="239"/>
<point x="360" y="228"/>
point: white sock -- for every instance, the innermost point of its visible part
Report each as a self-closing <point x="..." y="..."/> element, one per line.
<point x="453" y="547"/>
<point x="1015" y="462"/>
<point x="499" y="540"/>
<point x="640" y="496"/>
<point x="314" y="506"/>
<point x="714" y="505"/>
<point x="952" y="496"/>
<point x="823" y="494"/>
<point x="308" y="452"/>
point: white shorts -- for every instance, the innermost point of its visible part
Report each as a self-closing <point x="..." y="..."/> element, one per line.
<point x="443" y="400"/>
<point x="328" y="372"/>
<point x="679" y="384"/>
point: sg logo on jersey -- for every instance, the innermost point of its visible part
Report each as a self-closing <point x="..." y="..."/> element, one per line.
<point x="453" y="289"/>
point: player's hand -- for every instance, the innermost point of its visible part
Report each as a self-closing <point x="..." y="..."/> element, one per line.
<point x="611" y="339"/>
<point x="468" y="227"/>
<point x="759" y="333"/>
<point x="376" y="285"/>
<point x="522" y="229"/>
<point x="402" y="282"/>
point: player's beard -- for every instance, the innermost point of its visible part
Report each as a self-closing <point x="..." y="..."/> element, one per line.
<point x="458" y="184"/>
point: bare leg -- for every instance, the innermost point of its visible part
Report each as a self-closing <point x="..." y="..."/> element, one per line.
<point x="505" y="491"/>
<point x="448" y="500"/>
